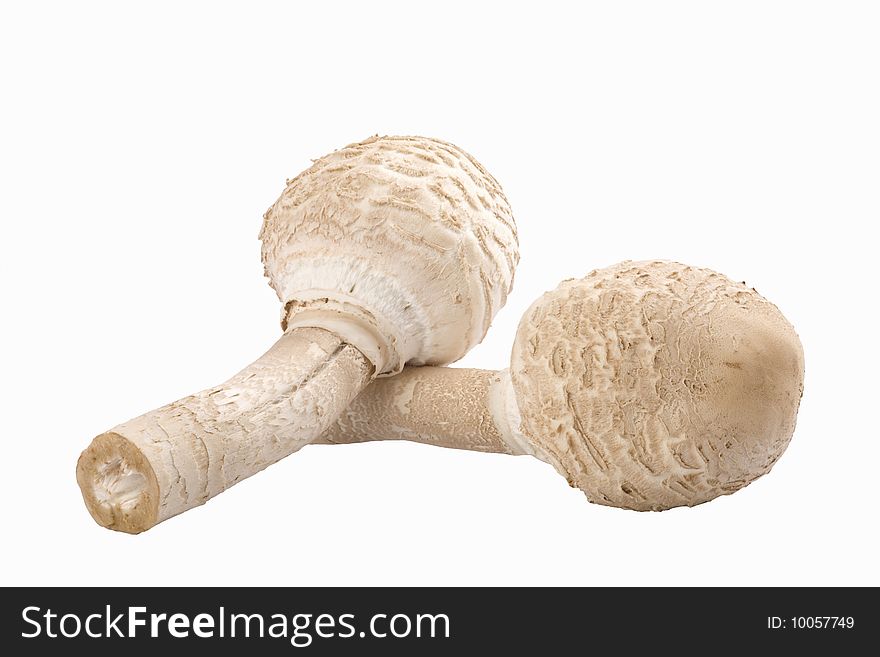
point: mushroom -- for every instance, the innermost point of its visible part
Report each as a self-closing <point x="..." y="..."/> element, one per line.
<point x="647" y="385"/>
<point x="390" y="251"/>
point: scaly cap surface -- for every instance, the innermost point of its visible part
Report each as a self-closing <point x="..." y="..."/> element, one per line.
<point x="409" y="234"/>
<point x="652" y="385"/>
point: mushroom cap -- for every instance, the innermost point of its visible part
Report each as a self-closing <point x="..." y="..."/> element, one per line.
<point x="651" y="385"/>
<point x="410" y="235"/>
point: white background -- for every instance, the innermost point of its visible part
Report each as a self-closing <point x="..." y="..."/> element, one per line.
<point x="141" y="144"/>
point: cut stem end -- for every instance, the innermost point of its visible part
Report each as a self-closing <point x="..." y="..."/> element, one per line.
<point x="118" y="484"/>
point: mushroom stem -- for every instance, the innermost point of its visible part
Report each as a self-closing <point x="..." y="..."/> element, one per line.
<point x="447" y="407"/>
<point x="179" y="456"/>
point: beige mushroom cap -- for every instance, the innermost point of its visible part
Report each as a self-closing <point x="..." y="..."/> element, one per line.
<point x="651" y="385"/>
<point x="410" y="235"/>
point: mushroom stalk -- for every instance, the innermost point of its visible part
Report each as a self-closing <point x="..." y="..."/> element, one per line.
<point x="179" y="456"/>
<point x="446" y="407"/>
